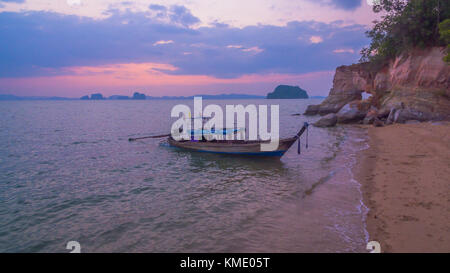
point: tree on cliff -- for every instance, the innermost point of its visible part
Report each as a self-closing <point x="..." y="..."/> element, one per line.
<point x="444" y="29"/>
<point x="405" y="24"/>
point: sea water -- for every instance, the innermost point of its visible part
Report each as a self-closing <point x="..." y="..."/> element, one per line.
<point x="68" y="173"/>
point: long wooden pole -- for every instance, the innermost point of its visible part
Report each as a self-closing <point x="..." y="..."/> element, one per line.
<point x="139" y="138"/>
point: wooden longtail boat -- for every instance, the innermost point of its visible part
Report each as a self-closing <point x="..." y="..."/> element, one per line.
<point x="238" y="147"/>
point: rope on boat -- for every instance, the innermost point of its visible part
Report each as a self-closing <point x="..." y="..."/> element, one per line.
<point x="307" y="133"/>
<point x="299" y="147"/>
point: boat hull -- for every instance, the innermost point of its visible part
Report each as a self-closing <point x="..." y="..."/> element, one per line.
<point x="233" y="147"/>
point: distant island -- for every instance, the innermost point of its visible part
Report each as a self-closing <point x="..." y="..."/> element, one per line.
<point x="99" y="96"/>
<point x="136" y="96"/>
<point x="211" y="97"/>
<point x="96" y="96"/>
<point x="288" y="92"/>
<point x="139" y="96"/>
<point x="13" y="97"/>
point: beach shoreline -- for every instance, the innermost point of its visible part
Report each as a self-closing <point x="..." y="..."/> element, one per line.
<point x="404" y="177"/>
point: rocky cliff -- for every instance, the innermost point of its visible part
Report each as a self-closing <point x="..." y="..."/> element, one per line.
<point x="414" y="86"/>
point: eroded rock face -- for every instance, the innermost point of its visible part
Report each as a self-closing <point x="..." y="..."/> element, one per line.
<point x="378" y="123"/>
<point x="312" y="110"/>
<point x="421" y="68"/>
<point x="348" y="84"/>
<point x="419" y="81"/>
<point x="329" y="120"/>
<point x="371" y="116"/>
<point x="353" y="112"/>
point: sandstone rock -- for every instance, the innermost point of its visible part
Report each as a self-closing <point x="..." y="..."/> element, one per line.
<point x="382" y="81"/>
<point x="369" y="120"/>
<point x="348" y="84"/>
<point x="371" y="115"/>
<point x="403" y="115"/>
<point x="383" y="113"/>
<point x="329" y="120"/>
<point x="386" y="110"/>
<point x="312" y="110"/>
<point x="412" y="122"/>
<point x="378" y="123"/>
<point x="398" y="117"/>
<point x="423" y="68"/>
<point x="422" y="84"/>
<point x="439" y="123"/>
<point x="394" y="113"/>
<point x="335" y="102"/>
<point x="390" y="118"/>
<point x="352" y="112"/>
<point x="417" y="82"/>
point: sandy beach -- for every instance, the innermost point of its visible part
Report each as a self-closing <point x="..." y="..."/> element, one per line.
<point x="405" y="176"/>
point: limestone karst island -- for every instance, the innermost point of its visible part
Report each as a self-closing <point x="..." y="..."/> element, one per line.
<point x="288" y="92"/>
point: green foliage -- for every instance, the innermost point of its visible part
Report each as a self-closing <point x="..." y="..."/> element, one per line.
<point x="405" y="24"/>
<point x="444" y="30"/>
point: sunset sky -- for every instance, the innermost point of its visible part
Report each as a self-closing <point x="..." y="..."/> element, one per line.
<point x="76" y="47"/>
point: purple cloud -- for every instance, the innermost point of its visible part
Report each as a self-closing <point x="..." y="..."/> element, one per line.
<point x="341" y="4"/>
<point x="157" y="7"/>
<point x="13" y="1"/>
<point x="181" y="15"/>
<point x="42" y="43"/>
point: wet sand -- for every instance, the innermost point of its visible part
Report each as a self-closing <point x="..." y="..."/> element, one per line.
<point x="405" y="177"/>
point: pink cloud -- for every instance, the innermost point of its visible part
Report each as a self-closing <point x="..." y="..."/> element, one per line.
<point x="234" y="46"/>
<point x="163" y="42"/>
<point x="254" y="49"/>
<point x="316" y="39"/>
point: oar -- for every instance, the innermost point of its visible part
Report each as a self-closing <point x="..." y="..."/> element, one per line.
<point x="138" y="138"/>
